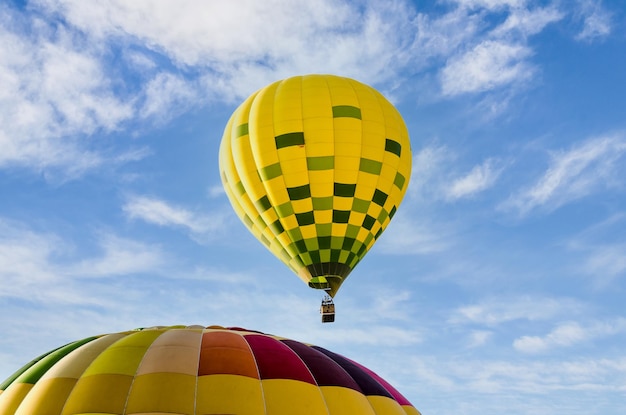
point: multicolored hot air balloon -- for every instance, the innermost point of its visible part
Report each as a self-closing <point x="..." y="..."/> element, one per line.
<point x="316" y="166"/>
<point x="196" y="370"/>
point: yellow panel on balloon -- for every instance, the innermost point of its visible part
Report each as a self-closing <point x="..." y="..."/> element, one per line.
<point x="229" y="394"/>
<point x="346" y="401"/>
<point x="162" y="392"/>
<point x="13" y="396"/>
<point x="47" y="397"/>
<point x="385" y="406"/>
<point x="292" y="397"/>
<point x="110" y="399"/>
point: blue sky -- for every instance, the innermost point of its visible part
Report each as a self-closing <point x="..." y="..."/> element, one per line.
<point x="498" y="287"/>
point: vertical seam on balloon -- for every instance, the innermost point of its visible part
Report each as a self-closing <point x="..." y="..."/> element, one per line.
<point x="87" y="367"/>
<point x="312" y="377"/>
<point x="132" y="382"/>
<point x="272" y="240"/>
<point x="273" y="206"/>
<point x="359" y="173"/>
<point x="195" y="394"/>
<point x="258" y="372"/>
<point x="330" y="97"/>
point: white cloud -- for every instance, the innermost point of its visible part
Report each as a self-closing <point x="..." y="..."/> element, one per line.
<point x="527" y="22"/>
<point x="119" y="256"/>
<point x="493" y="58"/>
<point x="494" y="312"/>
<point x="573" y="174"/>
<point x="40" y="266"/>
<point x="480" y="178"/>
<point x="601" y="250"/>
<point x="52" y="87"/>
<point x="535" y="377"/>
<point x="490" y="4"/>
<point x="435" y="176"/>
<point x="568" y="334"/>
<point x="488" y="65"/>
<point x="162" y="213"/>
<point x="597" y="21"/>
<point x="479" y="338"/>
<point x="167" y="95"/>
<point x="247" y="44"/>
<point x="431" y="168"/>
<point x="410" y="235"/>
<point x="605" y="262"/>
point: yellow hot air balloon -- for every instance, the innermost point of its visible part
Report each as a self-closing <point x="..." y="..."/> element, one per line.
<point x="316" y="166"/>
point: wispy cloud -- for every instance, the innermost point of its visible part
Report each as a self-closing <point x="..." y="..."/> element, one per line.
<point x="527" y="377"/>
<point x="119" y="256"/>
<point x="601" y="251"/>
<point x="479" y="338"/>
<point x="52" y="88"/>
<point x="162" y="213"/>
<point x="597" y="20"/>
<point x="330" y="37"/>
<point x="42" y="267"/>
<point x="56" y="86"/>
<point x="409" y="235"/>
<point x="494" y="312"/>
<point x="436" y="175"/>
<point x="569" y="334"/>
<point x="488" y="65"/>
<point x="584" y="169"/>
<point x="480" y="178"/>
<point x="500" y="56"/>
<point x="167" y="95"/>
<point x="605" y="263"/>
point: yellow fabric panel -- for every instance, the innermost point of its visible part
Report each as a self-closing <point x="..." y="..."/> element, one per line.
<point x="261" y="125"/>
<point x="348" y="131"/>
<point x="345" y="401"/>
<point x="308" y="231"/>
<point x="174" y="351"/>
<point x="294" y="166"/>
<point x="323" y="216"/>
<point x="12" y="397"/>
<point x="104" y="393"/>
<point x="162" y="392"/>
<point x="411" y="410"/>
<point x="321" y="182"/>
<point x="323" y="145"/>
<point x="339" y="229"/>
<point x="365" y="189"/>
<point x="47" y="397"/>
<point x="385" y="406"/>
<point x="341" y="91"/>
<point x="346" y="169"/>
<point x="387" y="176"/>
<point x="288" y="107"/>
<point x="123" y="356"/>
<point x="229" y="394"/>
<point x="292" y="397"/>
<point x="74" y="364"/>
<point x="342" y="203"/>
<point x="303" y="205"/>
<point x="373" y="146"/>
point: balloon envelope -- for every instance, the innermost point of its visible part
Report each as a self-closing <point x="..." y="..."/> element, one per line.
<point x="316" y="166"/>
<point x="196" y="370"/>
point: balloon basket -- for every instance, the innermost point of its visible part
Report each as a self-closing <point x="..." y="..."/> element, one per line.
<point x="327" y="309"/>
